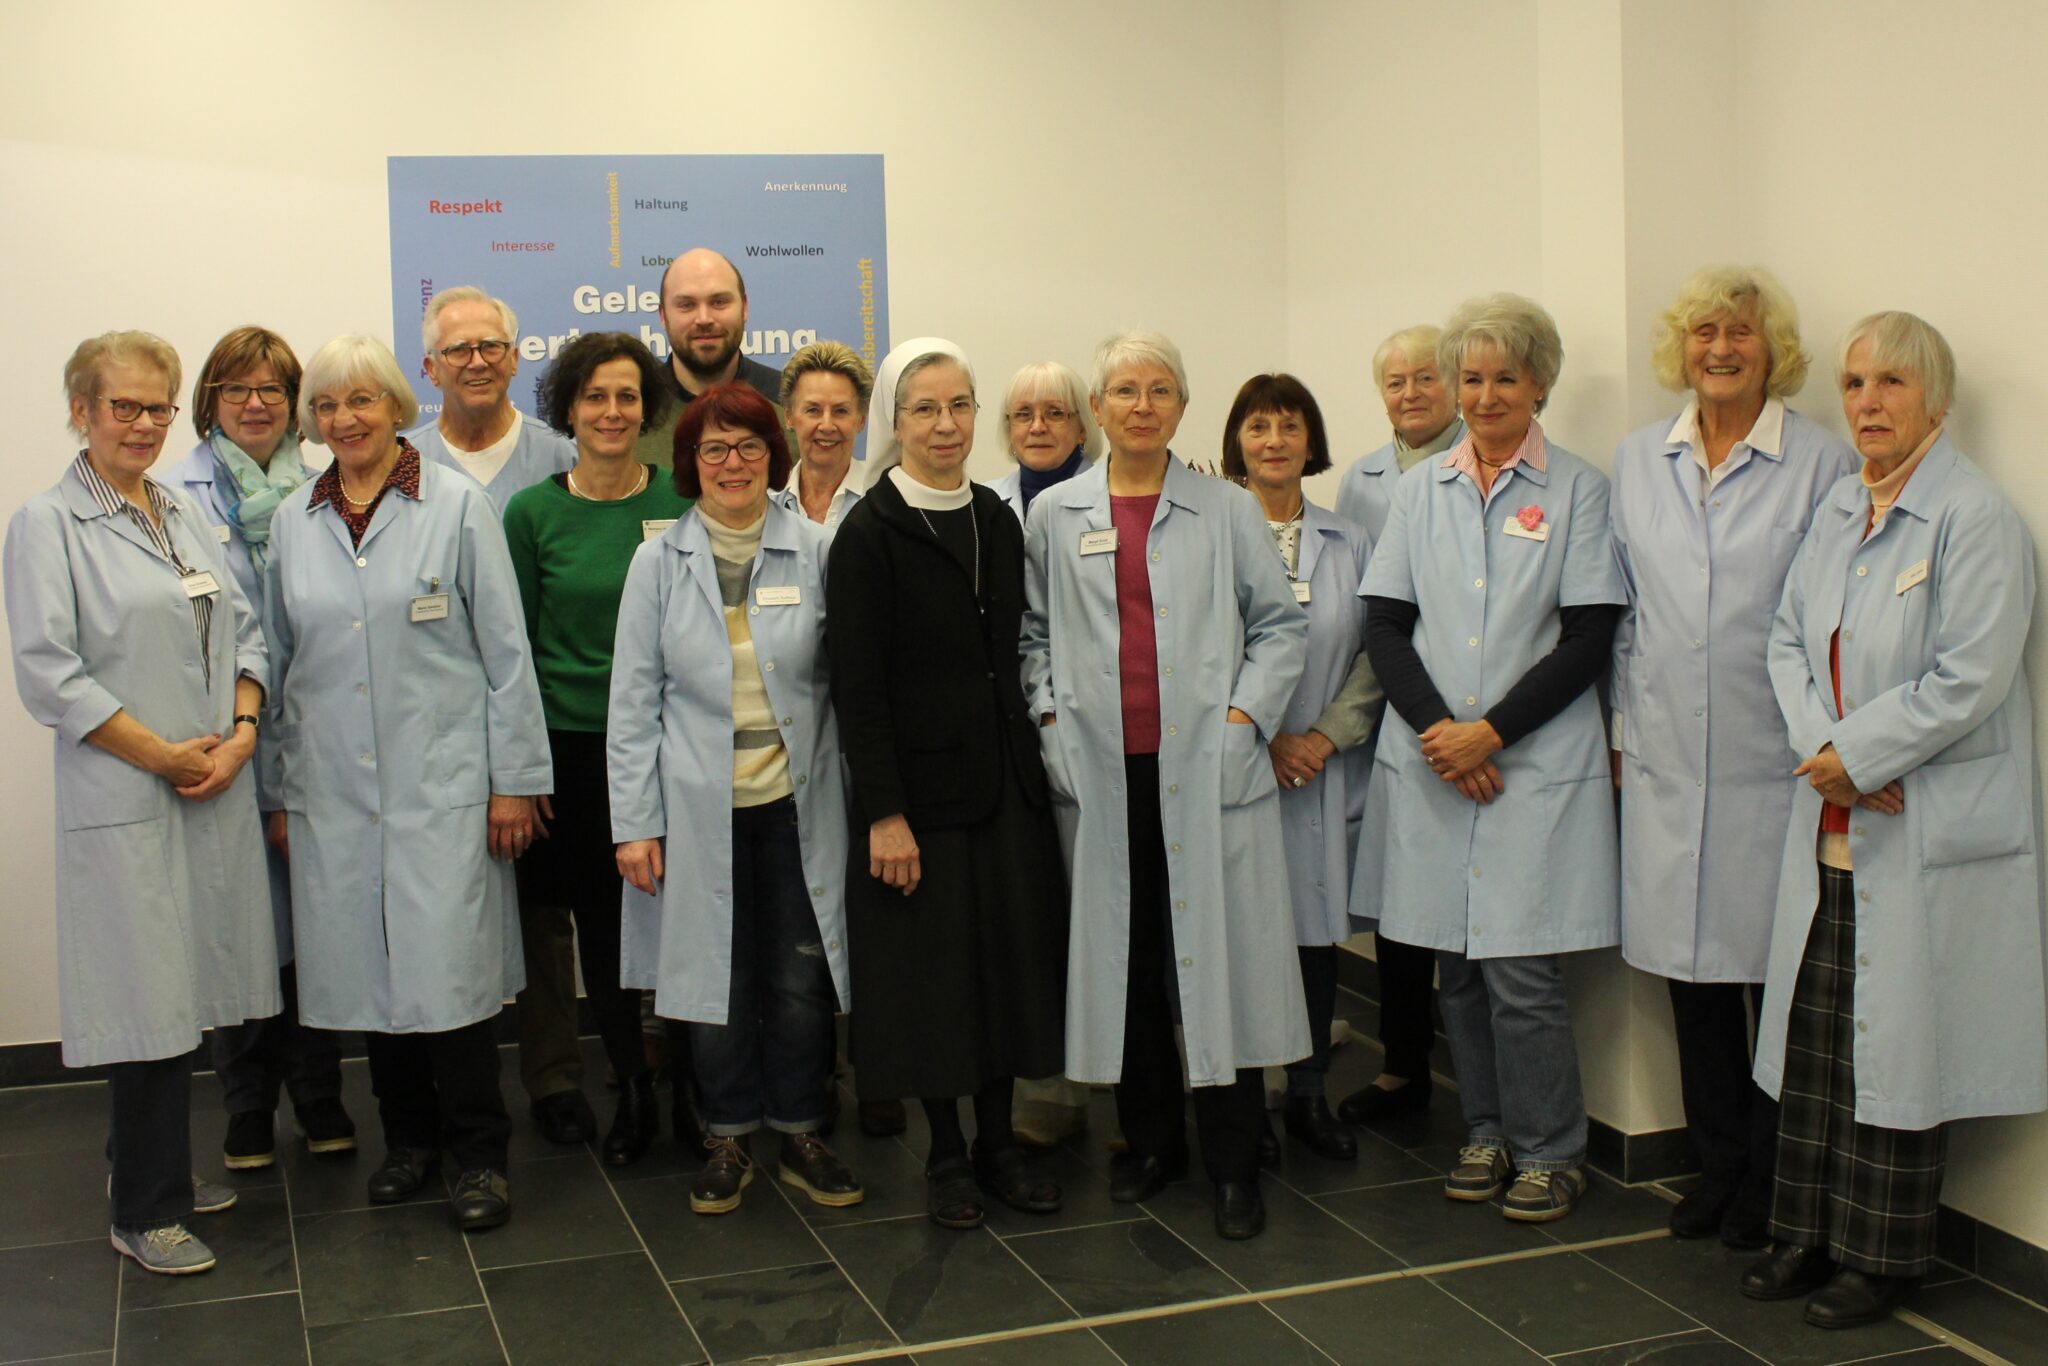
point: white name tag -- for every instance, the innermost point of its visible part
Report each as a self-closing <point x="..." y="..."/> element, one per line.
<point x="1917" y="574"/>
<point x="1300" y="591"/>
<point x="779" y="597"/>
<point x="430" y="607"/>
<point x="1540" y="532"/>
<point x="1098" y="542"/>
<point x="650" y="527"/>
<point x="201" y="584"/>
<point x="221" y="533"/>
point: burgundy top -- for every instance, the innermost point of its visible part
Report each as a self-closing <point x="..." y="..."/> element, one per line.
<point x="1137" y="650"/>
<point x="1834" y="820"/>
<point x="404" y="476"/>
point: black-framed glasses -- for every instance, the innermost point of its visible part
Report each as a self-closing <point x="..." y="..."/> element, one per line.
<point x="235" y="394"/>
<point x="752" y="449"/>
<point x="127" y="410"/>
<point x="490" y="348"/>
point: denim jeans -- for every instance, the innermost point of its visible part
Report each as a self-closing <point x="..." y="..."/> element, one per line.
<point x="1518" y="1064"/>
<point x="150" y="1142"/>
<point x="772" y="1058"/>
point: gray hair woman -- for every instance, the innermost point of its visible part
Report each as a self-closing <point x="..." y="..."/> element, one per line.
<point x="1047" y="430"/>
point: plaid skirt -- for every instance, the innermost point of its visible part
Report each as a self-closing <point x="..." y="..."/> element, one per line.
<point x="1867" y="1194"/>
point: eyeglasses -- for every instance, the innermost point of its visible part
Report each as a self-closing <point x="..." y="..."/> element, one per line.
<point x="127" y="410"/>
<point x="491" y="349"/>
<point x="962" y="409"/>
<point x="358" y="402"/>
<point x="235" y="395"/>
<point x="753" y="450"/>
<point x="1052" y="416"/>
<point x="1124" y="395"/>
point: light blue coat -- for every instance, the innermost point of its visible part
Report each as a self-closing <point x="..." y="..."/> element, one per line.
<point x="1365" y="491"/>
<point x="540" y="453"/>
<point x="390" y="736"/>
<point x="843" y="499"/>
<point x="1702" y="744"/>
<point x="669" y="750"/>
<point x="1536" y="871"/>
<point x="1319" y="822"/>
<point x="1948" y="998"/>
<point x="1229" y="635"/>
<point x="1010" y="488"/>
<point x="163" y="921"/>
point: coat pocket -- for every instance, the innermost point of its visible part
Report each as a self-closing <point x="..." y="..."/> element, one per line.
<point x="95" y="789"/>
<point x="1247" y="769"/>
<point x="458" y="765"/>
<point x="1970" y="809"/>
<point x="1056" y="780"/>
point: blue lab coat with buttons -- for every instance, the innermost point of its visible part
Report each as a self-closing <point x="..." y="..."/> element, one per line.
<point x="539" y="453"/>
<point x="1365" y="491"/>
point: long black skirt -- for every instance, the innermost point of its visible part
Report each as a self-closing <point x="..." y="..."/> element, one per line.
<point x="964" y="980"/>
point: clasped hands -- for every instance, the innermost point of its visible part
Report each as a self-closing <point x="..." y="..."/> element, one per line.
<point x="1461" y="753"/>
<point x="1830" y="777"/>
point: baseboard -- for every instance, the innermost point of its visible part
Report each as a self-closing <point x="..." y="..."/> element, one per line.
<point x="2003" y="1259"/>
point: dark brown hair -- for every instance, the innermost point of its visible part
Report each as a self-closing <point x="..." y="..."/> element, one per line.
<point x="1281" y="393"/>
<point x="578" y="361"/>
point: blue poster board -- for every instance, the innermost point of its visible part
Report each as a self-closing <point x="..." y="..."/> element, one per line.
<point x="578" y="243"/>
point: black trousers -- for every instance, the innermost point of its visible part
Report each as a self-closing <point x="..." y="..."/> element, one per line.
<point x="1407" y="1019"/>
<point x="150" y="1141"/>
<point x="256" y="1058"/>
<point x="1228" y="1119"/>
<point x="1319" y="990"/>
<point x="1732" y="1123"/>
<point x="438" y="1091"/>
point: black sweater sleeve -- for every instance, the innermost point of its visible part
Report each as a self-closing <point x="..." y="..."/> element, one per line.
<point x="1390" y="646"/>
<point x="1585" y="636"/>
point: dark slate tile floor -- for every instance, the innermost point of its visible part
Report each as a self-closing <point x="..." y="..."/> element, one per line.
<point x="602" y="1265"/>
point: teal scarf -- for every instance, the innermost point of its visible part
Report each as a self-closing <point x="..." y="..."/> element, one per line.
<point x="252" y="493"/>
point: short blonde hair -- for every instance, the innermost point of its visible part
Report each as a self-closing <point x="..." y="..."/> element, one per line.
<point x="1901" y="341"/>
<point x="430" y="320"/>
<point x="89" y="361"/>
<point x="1049" y="379"/>
<point x="1413" y="344"/>
<point x="1135" y="346"/>
<point x="1734" y="290"/>
<point x="1518" y="328"/>
<point x="349" y="360"/>
<point x="829" y="358"/>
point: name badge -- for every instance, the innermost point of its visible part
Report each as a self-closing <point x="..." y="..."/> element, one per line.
<point x="779" y="597"/>
<point x="1098" y="542"/>
<point x="1917" y="574"/>
<point x="1539" y="532"/>
<point x="201" y="583"/>
<point x="430" y="607"/>
<point x="1300" y="591"/>
<point x="650" y="527"/>
<point x="221" y="533"/>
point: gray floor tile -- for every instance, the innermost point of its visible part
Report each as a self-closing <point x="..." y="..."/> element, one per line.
<point x="1084" y="1197"/>
<point x="53" y="1197"/>
<point x="610" y="1310"/>
<point x="58" y="1299"/>
<point x="1395" y="1323"/>
<point x="791" y="1312"/>
<point x="930" y="1283"/>
<point x="1303" y="1243"/>
<point x="1379" y="1163"/>
<point x="451" y="1337"/>
<point x="765" y="1231"/>
<point x="1113" y="1268"/>
<point x="37" y="1119"/>
<point x="265" y="1329"/>
<point x="1696" y="1348"/>
<point x="1074" y="1347"/>
<point x="1563" y="1304"/>
<point x="252" y="1248"/>
<point x="1986" y="1316"/>
<point x="371" y="1264"/>
<point x="71" y="1359"/>
<point x="1609" y="1209"/>
<point x="1240" y="1333"/>
<point x="1417" y="1224"/>
<point x="561" y="1207"/>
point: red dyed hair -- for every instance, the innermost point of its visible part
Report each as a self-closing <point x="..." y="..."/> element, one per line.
<point x="732" y="405"/>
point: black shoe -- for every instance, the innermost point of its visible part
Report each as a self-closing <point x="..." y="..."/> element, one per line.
<point x="635" y="1122"/>
<point x="1310" y="1123"/>
<point x="882" y="1118"/>
<point x="1372" y="1104"/>
<point x="1787" y="1270"/>
<point x="1240" y="1210"/>
<point x="951" y="1196"/>
<point x="812" y="1168"/>
<point x="483" y="1198"/>
<point x="1006" y="1174"/>
<point x="1134" y="1179"/>
<point x="1700" y="1212"/>
<point x="729" y="1170"/>
<point x="1269" y="1147"/>
<point x="251" y="1141"/>
<point x="565" y="1117"/>
<point x="325" y="1126"/>
<point x="1853" y="1298"/>
<point x="1745" y="1231"/>
<point x="404" y="1171"/>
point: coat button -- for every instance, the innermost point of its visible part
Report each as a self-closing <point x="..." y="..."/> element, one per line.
<point x="801" y="779"/>
<point x="1471" y="701"/>
<point x="1862" y="1026"/>
<point x="1180" y="905"/>
<point x="1472" y="640"/>
<point x="753" y="611"/>
<point x="1155" y="557"/>
<point x="817" y="891"/>
<point x="367" y="758"/>
<point x="1173" y="730"/>
<point x="1479" y="583"/>
<point x="769" y="667"/>
<point x="1187" y="962"/>
<point x="1172" y="788"/>
<point x="785" y="721"/>
<point x="1858" y="830"/>
<point x="1169" y="671"/>
<point x="1863" y="896"/>
<point x="1162" y="611"/>
<point x="355" y="626"/>
<point x="1862" y="960"/>
<point x="833" y="945"/>
<point x="1861" y="570"/>
<point x="1176" y="848"/>
<point x="362" y="563"/>
<point x="1475" y="872"/>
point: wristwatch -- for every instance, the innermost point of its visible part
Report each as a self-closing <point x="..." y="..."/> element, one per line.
<point x="253" y="721"/>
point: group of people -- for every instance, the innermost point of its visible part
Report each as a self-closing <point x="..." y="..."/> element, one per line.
<point x="1076" y="778"/>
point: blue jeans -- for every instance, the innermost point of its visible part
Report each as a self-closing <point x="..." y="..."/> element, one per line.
<point x="1518" y="1064"/>
<point x="772" y="1058"/>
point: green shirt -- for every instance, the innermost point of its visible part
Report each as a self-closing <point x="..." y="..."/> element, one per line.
<point x="571" y="556"/>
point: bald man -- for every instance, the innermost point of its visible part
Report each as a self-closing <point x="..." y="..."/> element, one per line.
<point x="704" y="311"/>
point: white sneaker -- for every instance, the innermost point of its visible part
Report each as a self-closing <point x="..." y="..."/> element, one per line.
<point x="167" y="1251"/>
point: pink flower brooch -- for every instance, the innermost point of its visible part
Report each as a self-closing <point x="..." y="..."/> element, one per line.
<point x="1530" y="517"/>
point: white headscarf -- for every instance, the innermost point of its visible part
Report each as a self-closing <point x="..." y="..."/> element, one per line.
<point x="883" y="450"/>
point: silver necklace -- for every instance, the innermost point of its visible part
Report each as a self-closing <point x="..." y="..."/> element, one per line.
<point x="973" y="526"/>
<point x="577" y="488"/>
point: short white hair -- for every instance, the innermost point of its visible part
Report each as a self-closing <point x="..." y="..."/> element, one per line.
<point x="430" y="321"/>
<point x="1520" y="329"/>
<point x="1048" y="379"/>
<point x="1904" y="342"/>
<point x="1416" y="345"/>
<point x="347" y="361"/>
<point x="1135" y="346"/>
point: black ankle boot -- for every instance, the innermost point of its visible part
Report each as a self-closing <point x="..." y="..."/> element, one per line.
<point x="635" y="1124"/>
<point x="1310" y="1123"/>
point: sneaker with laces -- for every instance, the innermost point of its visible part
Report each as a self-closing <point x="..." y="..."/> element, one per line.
<point x="1481" y="1174"/>
<point x="728" y="1170"/>
<point x="208" y="1198"/>
<point x="811" y="1167"/>
<point x="167" y="1251"/>
<point x="1539" y="1197"/>
<point x="250" y="1143"/>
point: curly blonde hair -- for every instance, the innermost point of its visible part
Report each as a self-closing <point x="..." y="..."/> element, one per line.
<point x="1736" y="291"/>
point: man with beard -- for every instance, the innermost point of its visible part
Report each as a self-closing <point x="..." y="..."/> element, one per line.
<point x="704" y="311"/>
